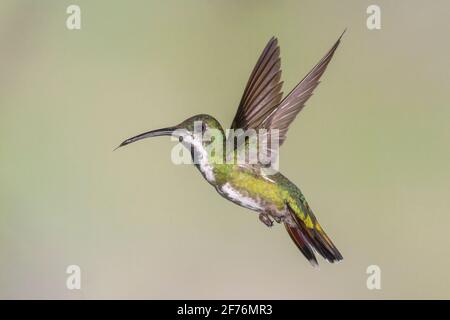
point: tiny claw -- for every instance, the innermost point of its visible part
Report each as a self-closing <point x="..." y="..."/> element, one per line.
<point x="264" y="218"/>
<point x="277" y="219"/>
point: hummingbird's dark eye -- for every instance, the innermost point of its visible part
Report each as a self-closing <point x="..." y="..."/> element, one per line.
<point x="180" y="138"/>
<point x="203" y="127"/>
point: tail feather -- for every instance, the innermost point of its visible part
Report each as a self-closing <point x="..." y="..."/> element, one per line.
<point x="301" y="242"/>
<point x="315" y="239"/>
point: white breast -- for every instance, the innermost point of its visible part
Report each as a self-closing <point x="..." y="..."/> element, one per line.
<point x="202" y="159"/>
<point x="207" y="169"/>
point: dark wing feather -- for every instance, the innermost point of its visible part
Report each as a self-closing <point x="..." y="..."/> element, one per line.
<point x="293" y="103"/>
<point x="263" y="91"/>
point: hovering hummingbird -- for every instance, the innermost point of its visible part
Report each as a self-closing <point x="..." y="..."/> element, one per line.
<point x="273" y="196"/>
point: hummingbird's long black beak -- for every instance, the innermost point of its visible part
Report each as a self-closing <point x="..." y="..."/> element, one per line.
<point x="154" y="133"/>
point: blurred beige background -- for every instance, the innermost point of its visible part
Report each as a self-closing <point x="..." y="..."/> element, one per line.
<point x="370" y="151"/>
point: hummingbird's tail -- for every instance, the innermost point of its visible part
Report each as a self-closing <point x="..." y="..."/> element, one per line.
<point x="312" y="238"/>
<point x="301" y="242"/>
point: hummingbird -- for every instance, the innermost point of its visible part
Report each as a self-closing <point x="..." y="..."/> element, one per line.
<point x="271" y="195"/>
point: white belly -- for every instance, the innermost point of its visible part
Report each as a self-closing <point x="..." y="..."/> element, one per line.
<point x="241" y="199"/>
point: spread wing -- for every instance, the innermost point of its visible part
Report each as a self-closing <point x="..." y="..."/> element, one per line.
<point x="261" y="106"/>
<point x="283" y="115"/>
<point x="262" y="93"/>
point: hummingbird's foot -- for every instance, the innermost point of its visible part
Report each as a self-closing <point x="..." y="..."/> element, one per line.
<point x="264" y="218"/>
<point x="277" y="219"/>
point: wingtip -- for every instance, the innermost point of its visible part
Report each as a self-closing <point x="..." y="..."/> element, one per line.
<point x="274" y="40"/>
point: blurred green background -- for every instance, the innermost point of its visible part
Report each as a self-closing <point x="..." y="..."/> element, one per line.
<point x="370" y="151"/>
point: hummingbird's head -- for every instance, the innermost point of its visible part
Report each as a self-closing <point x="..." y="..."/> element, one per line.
<point x="200" y="122"/>
<point x="190" y="132"/>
